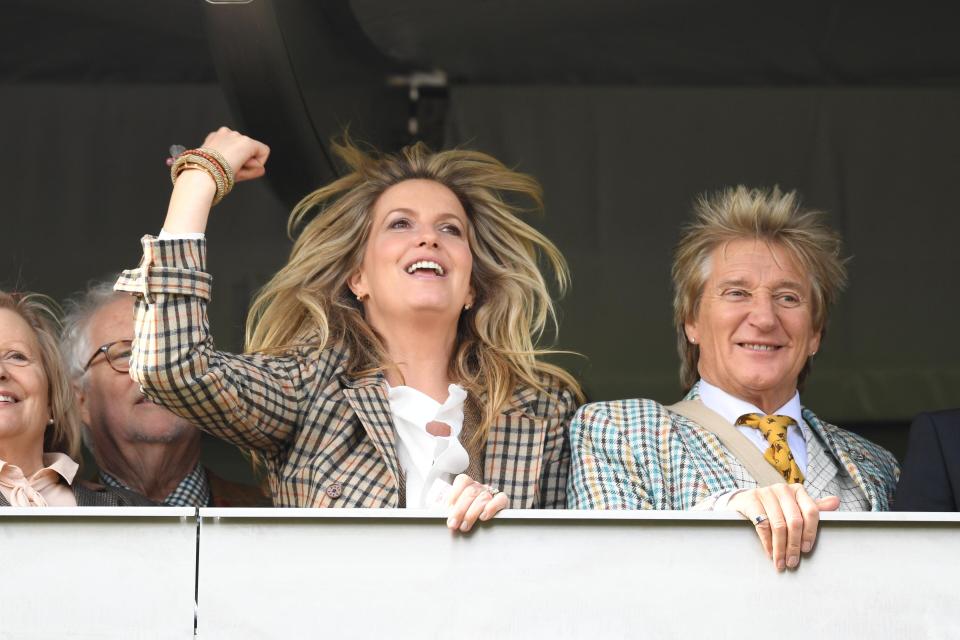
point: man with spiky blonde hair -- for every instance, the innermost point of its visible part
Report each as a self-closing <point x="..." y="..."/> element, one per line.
<point x="754" y="276"/>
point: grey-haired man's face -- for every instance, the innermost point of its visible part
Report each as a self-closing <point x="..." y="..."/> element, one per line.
<point x="111" y="403"/>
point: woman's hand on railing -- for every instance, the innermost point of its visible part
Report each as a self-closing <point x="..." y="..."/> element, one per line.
<point x="470" y="500"/>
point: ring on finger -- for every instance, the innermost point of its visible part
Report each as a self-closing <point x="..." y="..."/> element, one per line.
<point x="760" y="519"/>
<point x="491" y="489"/>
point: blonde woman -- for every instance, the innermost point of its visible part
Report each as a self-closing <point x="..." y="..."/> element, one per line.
<point x="392" y="361"/>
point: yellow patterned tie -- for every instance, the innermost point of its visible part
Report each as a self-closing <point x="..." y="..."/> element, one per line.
<point x="774" y="429"/>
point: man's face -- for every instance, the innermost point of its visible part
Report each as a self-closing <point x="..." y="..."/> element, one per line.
<point x="111" y="403"/>
<point x="754" y="325"/>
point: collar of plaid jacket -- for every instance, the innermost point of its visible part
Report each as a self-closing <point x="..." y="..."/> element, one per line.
<point x="522" y="401"/>
<point x="848" y="458"/>
<point x="845" y="457"/>
<point x="516" y="430"/>
<point x="368" y="399"/>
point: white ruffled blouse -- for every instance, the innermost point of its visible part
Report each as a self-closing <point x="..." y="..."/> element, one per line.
<point x="430" y="462"/>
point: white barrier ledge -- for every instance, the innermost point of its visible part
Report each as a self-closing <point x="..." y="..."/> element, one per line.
<point x="297" y="573"/>
<point x="91" y="572"/>
<point x="301" y="573"/>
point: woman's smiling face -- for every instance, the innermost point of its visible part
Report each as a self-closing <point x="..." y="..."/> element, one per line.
<point x="24" y="395"/>
<point x="417" y="259"/>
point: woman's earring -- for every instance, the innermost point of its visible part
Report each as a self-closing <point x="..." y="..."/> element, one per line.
<point x="50" y="421"/>
<point x="467" y="307"/>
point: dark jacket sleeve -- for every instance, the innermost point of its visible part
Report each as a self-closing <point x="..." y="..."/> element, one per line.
<point x="930" y="479"/>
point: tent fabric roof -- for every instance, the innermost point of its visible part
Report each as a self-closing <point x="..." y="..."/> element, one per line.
<point x="650" y="42"/>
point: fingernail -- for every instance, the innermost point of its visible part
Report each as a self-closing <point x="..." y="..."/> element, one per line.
<point x="793" y="561"/>
<point x="780" y="565"/>
<point x="807" y="546"/>
<point x="452" y="523"/>
<point x="464" y="527"/>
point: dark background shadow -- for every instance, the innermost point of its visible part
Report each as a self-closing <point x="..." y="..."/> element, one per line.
<point x="625" y="112"/>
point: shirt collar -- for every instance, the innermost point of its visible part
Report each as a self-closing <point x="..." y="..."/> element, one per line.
<point x="60" y="463"/>
<point x="417" y="407"/>
<point x="731" y="407"/>
<point x="192" y="491"/>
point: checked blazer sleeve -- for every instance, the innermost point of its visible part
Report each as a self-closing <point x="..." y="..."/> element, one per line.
<point x="606" y="472"/>
<point x="251" y="400"/>
<point x="636" y="454"/>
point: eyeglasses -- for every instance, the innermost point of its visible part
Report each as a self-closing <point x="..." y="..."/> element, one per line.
<point x="117" y="354"/>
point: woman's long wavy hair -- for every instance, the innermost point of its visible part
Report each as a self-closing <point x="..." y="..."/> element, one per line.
<point x="42" y="314"/>
<point x="496" y="347"/>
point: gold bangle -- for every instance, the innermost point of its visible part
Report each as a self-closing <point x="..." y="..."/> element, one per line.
<point x="224" y="165"/>
<point x="193" y="161"/>
<point x="198" y="163"/>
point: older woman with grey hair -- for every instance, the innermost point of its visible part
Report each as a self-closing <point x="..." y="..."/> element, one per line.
<point x="39" y="422"/>
<point x="754" y="276"/>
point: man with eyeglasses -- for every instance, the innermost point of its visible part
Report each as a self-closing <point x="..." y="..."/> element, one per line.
<point x="137" y="444"/>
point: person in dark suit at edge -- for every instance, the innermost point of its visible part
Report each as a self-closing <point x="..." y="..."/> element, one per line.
<point x="930" y="478"/>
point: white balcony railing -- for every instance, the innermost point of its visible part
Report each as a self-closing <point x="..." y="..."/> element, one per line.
<point x="302" y="573"/>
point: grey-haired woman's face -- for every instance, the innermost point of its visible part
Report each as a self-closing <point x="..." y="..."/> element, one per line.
<point x="24" y="398"/>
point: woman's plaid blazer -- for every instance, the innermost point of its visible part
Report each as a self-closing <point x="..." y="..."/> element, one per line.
<point x="326" y="438"/>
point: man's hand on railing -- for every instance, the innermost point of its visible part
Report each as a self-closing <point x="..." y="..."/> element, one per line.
<point x="786" y="519"/>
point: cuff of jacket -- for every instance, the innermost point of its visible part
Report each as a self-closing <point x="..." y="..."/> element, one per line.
<point x="717" y="501"/>
<point x="169" y="266"/>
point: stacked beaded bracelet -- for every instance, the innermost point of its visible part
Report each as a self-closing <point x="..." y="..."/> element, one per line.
<point x="209" y="160"/>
